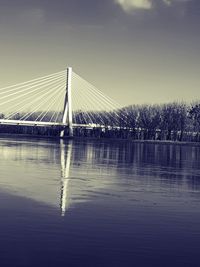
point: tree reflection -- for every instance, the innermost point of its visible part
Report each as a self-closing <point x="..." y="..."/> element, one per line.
<point x="161" y="165"/>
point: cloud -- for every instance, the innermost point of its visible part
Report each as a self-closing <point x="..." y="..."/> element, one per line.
<point x="167" y="2"/>
<point x="131" y="5"/>
<point x="170" y="2"/>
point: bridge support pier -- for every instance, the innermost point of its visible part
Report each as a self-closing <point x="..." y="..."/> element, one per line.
<point x="67" y="113"/>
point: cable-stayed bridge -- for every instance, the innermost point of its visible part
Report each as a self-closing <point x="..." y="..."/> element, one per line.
<point x="63" y="99"/>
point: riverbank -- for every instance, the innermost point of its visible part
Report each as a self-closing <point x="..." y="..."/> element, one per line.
<point x="44" y="137"/>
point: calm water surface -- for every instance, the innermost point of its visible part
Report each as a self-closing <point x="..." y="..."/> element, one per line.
<point x="98" y="203"/>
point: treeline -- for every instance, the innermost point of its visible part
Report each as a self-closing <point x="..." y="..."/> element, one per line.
<point x="173" y="121"/>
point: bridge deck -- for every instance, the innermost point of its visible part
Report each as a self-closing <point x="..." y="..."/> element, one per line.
<point x="43" y="123"/>
<point x="30" y="123"/>
<point x="52" y="124"/>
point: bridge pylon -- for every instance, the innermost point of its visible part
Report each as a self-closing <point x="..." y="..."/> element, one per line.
<point x="67" y="111"/>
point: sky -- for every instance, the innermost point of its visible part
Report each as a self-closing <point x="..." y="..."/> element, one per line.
<point x="135" y="51"/>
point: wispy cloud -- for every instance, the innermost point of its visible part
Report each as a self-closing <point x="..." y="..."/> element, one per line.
<point x="34" y="15"/>
<point x="131" y="5"/>
<point x="170" y="2"/>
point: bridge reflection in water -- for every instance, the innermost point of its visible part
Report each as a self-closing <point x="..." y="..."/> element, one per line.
<point x="61" y="175"/>
<point x="36" y="170"/>
<point x="65" y="157"/>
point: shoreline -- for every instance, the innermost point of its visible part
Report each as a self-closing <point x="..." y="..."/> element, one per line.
<point x="160" y="142"/>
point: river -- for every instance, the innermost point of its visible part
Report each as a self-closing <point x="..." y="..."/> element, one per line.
<point x="98" y="203"/>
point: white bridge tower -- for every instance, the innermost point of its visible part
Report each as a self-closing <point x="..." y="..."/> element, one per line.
<point x="67" y="112"/>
